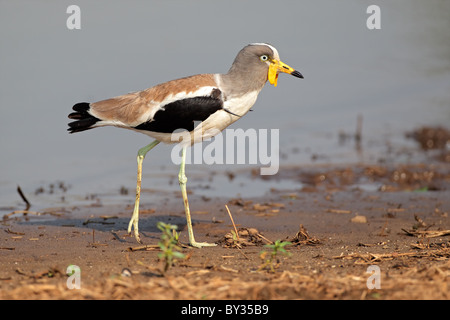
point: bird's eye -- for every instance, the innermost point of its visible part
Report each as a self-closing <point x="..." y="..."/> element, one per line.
<point x="264" y="58"/>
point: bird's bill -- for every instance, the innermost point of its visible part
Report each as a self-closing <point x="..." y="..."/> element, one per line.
<point x="276" y="66"/>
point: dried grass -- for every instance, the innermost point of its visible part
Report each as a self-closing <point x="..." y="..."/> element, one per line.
<point x="430" y="282"/>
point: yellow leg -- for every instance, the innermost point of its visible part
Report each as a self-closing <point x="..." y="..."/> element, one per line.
<point x="135" y="218"/>
<point x="183" y="179"/>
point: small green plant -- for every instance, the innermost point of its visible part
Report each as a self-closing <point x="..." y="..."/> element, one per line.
<point x="235" y="240"/>
<point x="269" y="258"/>
<point x="169" y="245"/>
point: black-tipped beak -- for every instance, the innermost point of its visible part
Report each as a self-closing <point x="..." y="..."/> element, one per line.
<point x="277" y="66"/>
<point x="297" y="74"/>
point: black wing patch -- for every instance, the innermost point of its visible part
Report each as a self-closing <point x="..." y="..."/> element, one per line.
<point x="182" y="114"/>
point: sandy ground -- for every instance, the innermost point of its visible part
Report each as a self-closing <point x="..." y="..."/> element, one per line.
<point x="355" y="217"/>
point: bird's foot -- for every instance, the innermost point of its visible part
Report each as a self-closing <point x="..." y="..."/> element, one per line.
<point x="201" y="244"/>
<point x="136" y="236"/>
<point x="134" y="225"/>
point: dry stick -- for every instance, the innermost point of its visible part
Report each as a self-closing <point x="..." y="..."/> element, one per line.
<point x="234" y="226"/>
<point x="245" y="256"/>
<point x="264" y="238"/>
<point x="19" y="190"/>
<point x="14" y="232"/>
<point x="237" y="234"/>
<point x="28" y="212"/>
<point x="145" y="247"/>
<point x="339" y="211"/>
<point x="358" y="134"/>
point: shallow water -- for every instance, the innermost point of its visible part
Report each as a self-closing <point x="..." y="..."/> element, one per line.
<point x="395" y="78"/>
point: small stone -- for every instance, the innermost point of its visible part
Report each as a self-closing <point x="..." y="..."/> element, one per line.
<point x="359" y="219"/>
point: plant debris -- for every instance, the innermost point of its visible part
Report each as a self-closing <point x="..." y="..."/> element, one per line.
<point x="431" y="138"/>
<point x="244" y="237"/>
<point x="258" y="208"/>
<point x="414" y="263"/>
<point x="421" y="224"/>
<point x="19" y="190"/>
<point x="427" y="233"/>
<point x="148" y="247"/>
<point x="26" y="212"/>
<point x="302" y="237"/>
<point x="370" y="258"/>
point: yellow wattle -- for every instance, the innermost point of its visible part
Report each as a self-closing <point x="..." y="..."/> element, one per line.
<point x="273" y="74"/>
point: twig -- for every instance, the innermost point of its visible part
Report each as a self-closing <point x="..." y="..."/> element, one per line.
<point x="427" y="233"/>
<point x="265" y="239"/>
<point x="376" y="257"/>
<point x="221" y="267"/>
<point x="358" y="133"/>
<point x="339" y="211"/>
<point x="146" y="247"/>
<point x="302" y="237"/>
<point x="19" y="190"/>
<point x="14" y="232"/>
<point x="242" y="252"/>
<point x="25" y="212"/>
<point x="234" y="226"/>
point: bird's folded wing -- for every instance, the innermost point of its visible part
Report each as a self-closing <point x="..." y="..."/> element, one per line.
<point x="164" y="108"/>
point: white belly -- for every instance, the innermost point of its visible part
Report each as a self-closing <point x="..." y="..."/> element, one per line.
<point x="214" y="124"/>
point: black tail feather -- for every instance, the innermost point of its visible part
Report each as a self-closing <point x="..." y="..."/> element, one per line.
<point x="85" y="120"/>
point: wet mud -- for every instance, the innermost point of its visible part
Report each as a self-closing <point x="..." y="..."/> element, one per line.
<point x="341" y="222"/>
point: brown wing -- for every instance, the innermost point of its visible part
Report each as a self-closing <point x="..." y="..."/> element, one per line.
<point x="135" y="108"/>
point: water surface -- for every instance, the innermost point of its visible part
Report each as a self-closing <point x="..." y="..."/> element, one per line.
<point x="396" y="79"/>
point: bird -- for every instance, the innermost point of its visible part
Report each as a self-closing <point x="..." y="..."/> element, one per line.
<point x="201" y="105"/>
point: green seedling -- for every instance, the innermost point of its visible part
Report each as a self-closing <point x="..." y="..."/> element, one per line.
<point x="269" y="258"/>
<point x="169" y="245"/>
<point x="235" y="239"/>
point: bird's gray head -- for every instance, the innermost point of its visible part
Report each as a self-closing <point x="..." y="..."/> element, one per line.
<point x="261" y="61"/>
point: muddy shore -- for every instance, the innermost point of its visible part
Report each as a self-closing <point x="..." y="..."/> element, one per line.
<point x="344" y="219"/>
